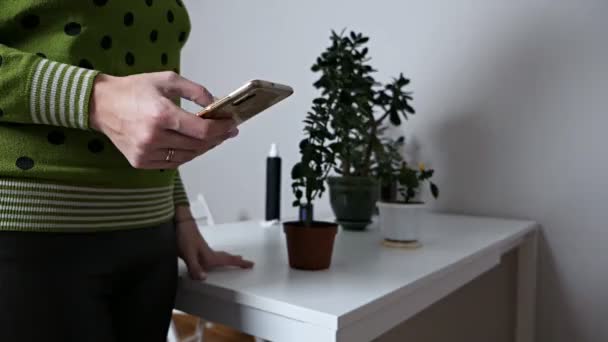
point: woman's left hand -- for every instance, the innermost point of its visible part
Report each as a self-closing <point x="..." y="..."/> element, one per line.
<point x="196" y="253"/>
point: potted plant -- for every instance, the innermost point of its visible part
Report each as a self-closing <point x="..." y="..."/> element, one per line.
<point x="309" y="242"/>
<point x="388" y="163"/>
<point x="400" y="218"/>
<point x="357" y="106"/>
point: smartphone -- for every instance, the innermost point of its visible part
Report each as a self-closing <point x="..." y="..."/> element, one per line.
<point x="247" y="101"/>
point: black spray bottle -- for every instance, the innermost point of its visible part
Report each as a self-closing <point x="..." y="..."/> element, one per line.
<point x="273" y="184"/>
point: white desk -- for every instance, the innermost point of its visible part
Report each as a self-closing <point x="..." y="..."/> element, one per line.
<point x="368" y="290"/>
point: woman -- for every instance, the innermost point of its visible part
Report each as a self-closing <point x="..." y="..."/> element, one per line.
<point x="92" y="209"/>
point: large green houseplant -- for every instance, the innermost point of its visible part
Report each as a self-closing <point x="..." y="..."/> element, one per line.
<point x="358" y="106"/>
<point x="310" y="242"/>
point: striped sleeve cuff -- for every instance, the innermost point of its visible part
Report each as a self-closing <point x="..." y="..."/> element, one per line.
<point x="179" y="193"/>
<point x="59" y="94"/>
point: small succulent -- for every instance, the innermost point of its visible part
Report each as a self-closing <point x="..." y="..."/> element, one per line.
<point x="410" y="181"/>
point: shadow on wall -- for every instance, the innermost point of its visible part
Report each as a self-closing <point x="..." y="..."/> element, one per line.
<point x="486" y="149"/>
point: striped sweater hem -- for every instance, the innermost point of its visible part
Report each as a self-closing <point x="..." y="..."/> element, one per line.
<point x="31" y="205"/>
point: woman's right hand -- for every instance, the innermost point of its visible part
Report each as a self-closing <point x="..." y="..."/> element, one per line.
<point x="136" y="112"/>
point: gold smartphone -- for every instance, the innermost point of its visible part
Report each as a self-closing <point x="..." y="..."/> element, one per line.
<point x="247" y="101"/>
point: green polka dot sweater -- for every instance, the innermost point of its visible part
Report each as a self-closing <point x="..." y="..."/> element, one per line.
<point x="56" y="174"/>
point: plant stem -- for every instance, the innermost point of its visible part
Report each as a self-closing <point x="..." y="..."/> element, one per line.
<point x="368" y="152"/>
<point x="324" y="177"/>
<point x="382" y="118"/>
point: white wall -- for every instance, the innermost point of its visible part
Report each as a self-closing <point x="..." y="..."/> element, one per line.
<point x="512" y="101"/>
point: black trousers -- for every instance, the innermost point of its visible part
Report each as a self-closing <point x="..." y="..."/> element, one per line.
<point x="110" y="286"/>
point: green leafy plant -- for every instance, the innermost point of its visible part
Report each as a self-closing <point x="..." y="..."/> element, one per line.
<point x="388" y="158"/>
<point x="316" y="159"/>
<point x="410" y="181"/>
<point x="345" y="128"/>
<point x="357" y="104"/>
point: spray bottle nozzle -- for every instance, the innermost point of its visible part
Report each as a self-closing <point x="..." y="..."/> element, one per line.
<point x="274" y="151"/>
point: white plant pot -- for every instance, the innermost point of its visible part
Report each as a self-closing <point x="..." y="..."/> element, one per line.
<point x="400" y="222"/>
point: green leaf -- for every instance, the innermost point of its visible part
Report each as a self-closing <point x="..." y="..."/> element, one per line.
<point x="410" y="193"/>
<point x="295" y="203"/>
<point x="409" y="108"/>
<point x="319" y="101"/>
<point x="335" y="146"/>
<point x="426" y="174"/>
<point x="298" y="194"/>
<point x="408" y="177"/>
<point x="402" y="81"/>
<point x="296" y="171"/>
<point x="434" y="190"/>
<point x="394" y="118"/>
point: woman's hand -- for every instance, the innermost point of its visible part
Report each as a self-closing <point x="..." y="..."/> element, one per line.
<point x="137" y="113"/>
<point x="195" y="251"/>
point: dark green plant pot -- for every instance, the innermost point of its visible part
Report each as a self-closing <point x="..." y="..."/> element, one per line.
<point x="353" y="200"/>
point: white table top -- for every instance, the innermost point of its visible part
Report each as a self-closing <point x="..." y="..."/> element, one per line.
<point x="364" y="275"/>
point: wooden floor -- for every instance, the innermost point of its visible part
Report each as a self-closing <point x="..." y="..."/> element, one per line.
<point x="187" y="327"/>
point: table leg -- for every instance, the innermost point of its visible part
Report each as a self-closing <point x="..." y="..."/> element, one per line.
<point x="526" y="289"/>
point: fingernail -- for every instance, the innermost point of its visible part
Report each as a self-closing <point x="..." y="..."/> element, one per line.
<point x="234" y="133"/>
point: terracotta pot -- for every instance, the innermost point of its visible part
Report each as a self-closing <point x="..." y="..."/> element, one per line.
<point x="310" y="248"/>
